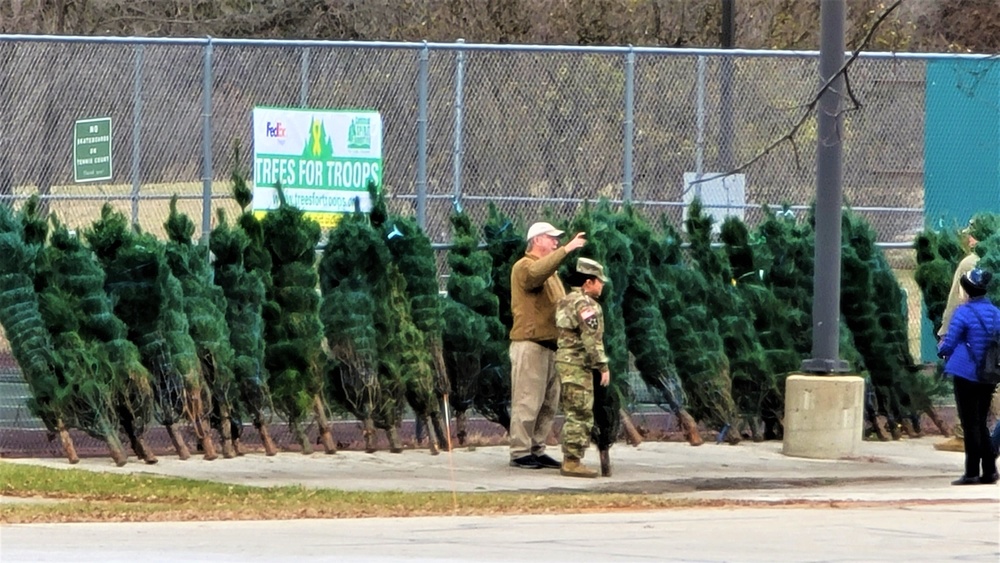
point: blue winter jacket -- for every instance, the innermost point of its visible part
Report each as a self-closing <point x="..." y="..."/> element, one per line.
<point x="966" y="340"/>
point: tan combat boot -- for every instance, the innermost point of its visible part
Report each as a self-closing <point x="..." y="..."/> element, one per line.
<point x="571" y="467"/>
<point x="953" y="444"/>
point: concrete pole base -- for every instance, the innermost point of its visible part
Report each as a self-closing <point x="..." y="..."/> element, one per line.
<point x="824" y="416"/>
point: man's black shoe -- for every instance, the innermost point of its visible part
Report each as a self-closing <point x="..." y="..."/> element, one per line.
<point x="966" y="480"/>
<point x="525" y="462"/>
<point x="547" y="462"/>
<point x="991" y="479"/>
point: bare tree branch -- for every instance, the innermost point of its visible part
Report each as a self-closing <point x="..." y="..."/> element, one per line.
<point x="811" y="106"/>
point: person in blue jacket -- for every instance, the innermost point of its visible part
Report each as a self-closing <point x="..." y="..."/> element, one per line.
<point x="962" y="346"/>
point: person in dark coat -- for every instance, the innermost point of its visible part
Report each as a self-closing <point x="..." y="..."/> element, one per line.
<point x="962" y="347"/>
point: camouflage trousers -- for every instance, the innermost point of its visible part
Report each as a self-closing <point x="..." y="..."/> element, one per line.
<point x="577" y="402"/>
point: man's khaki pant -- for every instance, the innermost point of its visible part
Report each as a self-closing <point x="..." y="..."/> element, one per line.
<point x="534" y="397"/>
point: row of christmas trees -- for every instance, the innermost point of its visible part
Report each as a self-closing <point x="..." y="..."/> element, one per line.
<point x="116" y="329"/>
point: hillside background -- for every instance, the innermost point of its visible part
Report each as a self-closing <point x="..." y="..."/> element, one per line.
<point x="916" y="25"/>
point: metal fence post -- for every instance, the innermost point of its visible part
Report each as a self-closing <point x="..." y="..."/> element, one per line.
<point x="136" y="129"/>
<point x="727" y="161"/>
<point x="459" y="93"/>
<point x="304" y="78"/>
<point x="206" y="145"/>
<point x="699" y="118"/>
<point x="422" y="137"/>
<point x="629" y="125"/>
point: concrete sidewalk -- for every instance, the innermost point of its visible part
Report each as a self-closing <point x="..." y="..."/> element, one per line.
<point x="902" y="470"/>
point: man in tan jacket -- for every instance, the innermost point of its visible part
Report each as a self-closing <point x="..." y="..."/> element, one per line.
<point x="535" y="289"/>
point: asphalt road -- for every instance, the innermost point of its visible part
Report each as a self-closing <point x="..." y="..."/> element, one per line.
<point x="912" y="533"/>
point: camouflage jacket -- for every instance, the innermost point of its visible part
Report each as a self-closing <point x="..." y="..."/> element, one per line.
<point x="581" y="331"/>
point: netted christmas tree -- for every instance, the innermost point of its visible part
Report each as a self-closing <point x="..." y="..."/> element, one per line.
<point x="406" y="361"/>
<point x="244" y="290"/>
<point x="361" y="374"/>
<point x="786" y="253"/>
<point x="773" y="320"/>
<point x="420" y="320"/>
<point x="506" y="245"/>
<point x="292" y="329"/>
<point x="917" y="389"/>
<point x="30" y="342"/>
<point x="984" y="228"/>
<point x="73" y="289"/>
<point x="86" y="380"/>
<point x="987" y="226"/>
<point x="785" y="247"/>
<point x="654" y="303"/>
<point x="475" y="342"/>
<point x="752" y="377"/>
<point x="938" y="254"/>
<point x="149" y="300"/>
<point x="205" y="307"/>
<point x="872" y="304"/>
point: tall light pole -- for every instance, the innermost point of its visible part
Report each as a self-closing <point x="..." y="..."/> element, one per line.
<point x="829" y="195"/>
<point x="824" y="407"/>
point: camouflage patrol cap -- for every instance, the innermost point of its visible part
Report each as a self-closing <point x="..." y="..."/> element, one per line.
<point x="590" y="267"/>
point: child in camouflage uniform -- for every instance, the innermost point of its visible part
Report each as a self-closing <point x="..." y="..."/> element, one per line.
<point x="581" y="352"/>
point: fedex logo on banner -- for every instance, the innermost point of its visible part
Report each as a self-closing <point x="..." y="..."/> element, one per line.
<point x="276" y="130"/>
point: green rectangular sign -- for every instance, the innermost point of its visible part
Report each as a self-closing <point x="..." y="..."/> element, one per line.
<point x="92" y="150"/>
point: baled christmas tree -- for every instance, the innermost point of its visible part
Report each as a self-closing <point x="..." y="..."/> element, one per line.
<point x="422" y="346"/>
<point x="773" y="320"/>
<point x="871" y="303"/>
<point x="752" y="378"/>
<point x="645" y="296"/>
<point x="149" y="300"/>
<point x="474" y="338"/>
<point x="30" y="342"/>
<point x="361" y="374"/>
<point x="85" y="382"/>
<point x="243" y="271"/>
<point x="505" y="243"/>
<point x="74" y="286"/>
<point x="292" y="329"/>
<point x="205" y="307"/>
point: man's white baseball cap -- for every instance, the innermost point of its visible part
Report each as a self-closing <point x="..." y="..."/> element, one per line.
<point x="542" y="228"/>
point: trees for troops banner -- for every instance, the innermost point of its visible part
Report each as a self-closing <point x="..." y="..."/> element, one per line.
<point x="323" y="160"/>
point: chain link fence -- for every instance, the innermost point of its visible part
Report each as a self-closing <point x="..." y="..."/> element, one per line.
<point x="536" y="130"/>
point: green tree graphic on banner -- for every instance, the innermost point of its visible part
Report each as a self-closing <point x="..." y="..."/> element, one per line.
<point x="318" y="146"/>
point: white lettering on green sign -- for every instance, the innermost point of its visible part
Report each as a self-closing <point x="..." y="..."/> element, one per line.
<point x="92" y="150"/>
<point x="294" y="172"/>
